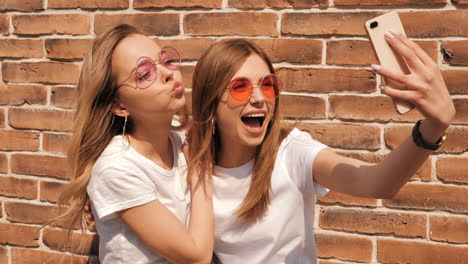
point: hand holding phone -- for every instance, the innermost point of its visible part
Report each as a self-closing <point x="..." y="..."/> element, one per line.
<point x="387" y="56"/>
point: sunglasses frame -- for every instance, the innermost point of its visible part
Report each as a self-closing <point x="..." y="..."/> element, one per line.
<point x="258" y="85"/>
<point x="134" y="71"/>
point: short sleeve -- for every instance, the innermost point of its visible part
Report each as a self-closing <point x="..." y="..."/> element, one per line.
<point x="300" y="153"/>
<point x="117" y="188"/>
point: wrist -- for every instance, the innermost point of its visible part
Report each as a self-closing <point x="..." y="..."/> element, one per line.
<point x="427" y="136"/>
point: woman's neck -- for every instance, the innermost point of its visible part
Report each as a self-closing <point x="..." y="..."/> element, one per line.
<point x="232" y="154"/>
<point x="152" y="141"/>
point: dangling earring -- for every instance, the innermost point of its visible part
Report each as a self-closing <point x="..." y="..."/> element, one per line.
<point x="213" y="127"/>
<point x="124" y="126"/>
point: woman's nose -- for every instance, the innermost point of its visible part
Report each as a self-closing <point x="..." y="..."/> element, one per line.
<point x="167" y="75"/>
<point x="257" y="95"/>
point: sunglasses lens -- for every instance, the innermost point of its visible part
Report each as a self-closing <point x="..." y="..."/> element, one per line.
<point x="271" y="86"/>
<point x="146" y="72"/>
<point x="170" y="58"/>
<point x="241" y="89"/>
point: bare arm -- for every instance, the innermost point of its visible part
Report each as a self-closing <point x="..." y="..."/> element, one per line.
<point x="158" y="228"/>
<point x="426" y="89"/>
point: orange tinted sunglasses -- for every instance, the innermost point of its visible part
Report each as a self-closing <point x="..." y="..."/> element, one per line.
<point x="241" y="88"/>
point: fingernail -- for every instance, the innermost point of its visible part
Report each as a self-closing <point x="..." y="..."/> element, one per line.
<point x="376" y="67"/>
<point x="381" y="87"/>
<point x="389" y="35"/>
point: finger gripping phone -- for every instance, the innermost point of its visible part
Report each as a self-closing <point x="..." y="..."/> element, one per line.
<point x="386" y="55"/>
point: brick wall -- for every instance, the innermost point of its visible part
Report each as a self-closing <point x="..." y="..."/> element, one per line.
<point x="320" y="49"/>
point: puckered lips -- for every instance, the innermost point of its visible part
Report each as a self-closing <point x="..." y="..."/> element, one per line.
<point x="253" y="121"/>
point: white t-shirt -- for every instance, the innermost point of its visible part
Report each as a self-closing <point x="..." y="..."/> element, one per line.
<point x="285" y="233"/>
<point x="122" y="178"/>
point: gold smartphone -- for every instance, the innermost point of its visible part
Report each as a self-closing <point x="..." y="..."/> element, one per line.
<point x="388" y="57"/>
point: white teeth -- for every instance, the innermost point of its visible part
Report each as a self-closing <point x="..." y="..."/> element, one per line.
<point x="255" y="115"/>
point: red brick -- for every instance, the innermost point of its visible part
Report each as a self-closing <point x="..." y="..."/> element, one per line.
<point x="190" y="49"/>
<point x="50" y="191"/>
<point x="18" y="188"/>
<point x="461" y="105"/>
<point x="456" y="142"/>
<point x="305" y="51"/>
<point x="23" y="94"/>
<point x="359" y="52"/>
<point x="43" y="119"/>
<point x="449" y="228"/>
<point x="29" y="213"/>
<point x="2" y="118"/>
<point x="233" y="23"/>
<point x="455" y="52"/>
<point x="56" y="240"/>
<point x="42" y="72"/>
<point x="428" y="24"/>
<point x="415" y="252"/>
<point x="57" y="143"/>
<point x="19" y="235"/>
<point x="345" y="135"/>
<point x="21" y="48"/>
<point x="69" y="24"/>
<point x="67" y="49"/>
<point x="22" y="5"/>
<point x="303" y="107"/>
<point x="378" y="3"/>
<point x="3" y="165"/>
<point x="4" y="24"/>
<point x="29" y="256"/>
<point x="62" y="96"/>
<point x="452" y="169"/>
<point x="41" y="165"/>
<point x="326" y="24"/>
<point x="373" y="222"/>
<point x="430" y="197"/>
<point x="138" y="4"/>
<point x="344" y="247"/>
<point x="187" y="74"/>
<point x="367" y="108"/>
<point x="260" y="4"/>
<point x="3" y="255"/>
<point x="344" y="199"/>
<point x="327" y="80"/>
<point x="150" y="24"/>
<point x="19" y="140"/>
<point x="460" y="2"/>
<point x="88" y="4"/>
<point x="456" y="81"/>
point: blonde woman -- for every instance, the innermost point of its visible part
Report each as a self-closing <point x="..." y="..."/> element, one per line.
<point x="266" y="177"/>
<point x="126" y="155"/>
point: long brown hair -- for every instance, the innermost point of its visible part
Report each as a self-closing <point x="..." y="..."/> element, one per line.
<point x="94" y="124"/>
<point x="212" y="74"/>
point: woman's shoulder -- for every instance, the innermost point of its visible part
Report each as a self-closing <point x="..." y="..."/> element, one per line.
<point x="299" y="137"/>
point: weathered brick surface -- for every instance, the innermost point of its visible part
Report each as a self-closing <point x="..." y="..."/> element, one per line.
<point x="22" y="5"/>
<point x="43" y="119"/>
<point x="455" y="52"/>
<point x="456" y="81"/>
<point x="156" y="24"/>
<point x="42" y="72"/>
<point x="235" y="23"/>
<point x="379" y="3"/>
<point x="436" y="23"/>
<point x="4" y="24"/>
<point x="259" y="4"/>
<point x="453" y="169"/>
<point x="18" y="188"/>
<point x="50" y="191"/>
<point x="30" y="256"/>
<point x="451" y="229"/>
<point x="2" y="118"/>
<point x="91" y="4"/>
<point x="303" y="107"/>
<point x="53" y="142"/>
<point x="3" y="163"/>
<point x="40" y="165"/>
<point x="21" y="48"/>
<point x="305" y="51"/>
<point x="19" y="140"/>
<point x="419" y="252"/>
<point x="62" y="96"/>
<point x="72" y="24"/>
<point x="189" y="49"/>
<point x="339" y="198"/>
<point x="177" y="4"/>
<point x="431" y="197"/>
<point x="23" y="94"/>
<point x="373" y="222"/>
<point x="327" y="80"/>
<point x="55" y="239"/>
<point x="19" y="235"/>
<point x="344" y="247"/>
<point x="67" y="49"/>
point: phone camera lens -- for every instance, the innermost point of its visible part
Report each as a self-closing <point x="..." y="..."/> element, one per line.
<point x="374" y="24"/>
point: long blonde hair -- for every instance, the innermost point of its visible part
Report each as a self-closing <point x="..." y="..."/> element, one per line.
<point x="94" y="124"/>
<point x="212" y="74"/>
